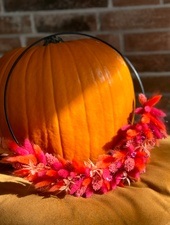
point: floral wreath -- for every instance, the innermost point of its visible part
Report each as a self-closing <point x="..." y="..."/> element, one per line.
<point x="121" y="165"/>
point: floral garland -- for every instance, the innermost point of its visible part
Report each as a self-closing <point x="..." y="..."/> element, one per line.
<point x="122" y="164"/>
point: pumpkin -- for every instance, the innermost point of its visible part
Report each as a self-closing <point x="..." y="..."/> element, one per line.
<point x="71" y="97"/>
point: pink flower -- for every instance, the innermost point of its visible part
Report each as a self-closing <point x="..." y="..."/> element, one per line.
<point x="53" y="162"/>
<point x="107" y="175"/>
<point x="63" y="173"/>
<point x="76" y="186"/>
<point x="25" y="149"/>
<point x="97" y="182"/>
<point x="129" y="164"/>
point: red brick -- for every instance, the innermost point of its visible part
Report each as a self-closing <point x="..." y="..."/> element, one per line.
<point x="31" y="40"/>
<point x="34" y="5"/>
<point x="67" y="22"/>
<point x="154" y="84"/>
<point x="135" y="19"/>
<point x="151" y="62"/>
<point x="165" y="105"/>
<point x="0" y="6"/>
<point x="7" y="44"/>
<point x="111" y="39"/>
<point x="134" y="2"/>
<point x="15" y="24"/>
<point x="154" y="41"/>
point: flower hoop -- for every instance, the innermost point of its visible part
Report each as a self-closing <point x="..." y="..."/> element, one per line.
<point x="123" y="164"/>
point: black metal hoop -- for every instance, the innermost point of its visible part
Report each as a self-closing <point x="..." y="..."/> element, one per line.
<point x="56" y="37"/>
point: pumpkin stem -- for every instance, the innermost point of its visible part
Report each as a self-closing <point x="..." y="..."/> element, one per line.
<point x="52" y="39"/>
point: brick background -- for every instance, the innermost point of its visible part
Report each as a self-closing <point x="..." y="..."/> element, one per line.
<point x="15" y="24"/>
<point x="151" y="62"/>
<point x="149" y="41"/>
<point x="166" y="1"/>
<point x="57" y="23"/>
<point x="147" y="18"/>
<point x="134" y="2"/>
<point x="34" y="5"/>
<point x="140" y="29"/>
<point x="9" y="43"/>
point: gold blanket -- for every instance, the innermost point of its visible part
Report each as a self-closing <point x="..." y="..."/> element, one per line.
<point x="144" y="203"/>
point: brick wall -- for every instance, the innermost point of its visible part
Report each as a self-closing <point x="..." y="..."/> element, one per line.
<point x="140" y="29"/>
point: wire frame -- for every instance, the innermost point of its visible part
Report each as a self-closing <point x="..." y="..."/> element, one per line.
<point x="56" y="38"/>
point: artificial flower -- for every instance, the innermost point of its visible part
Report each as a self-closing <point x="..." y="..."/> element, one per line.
<point x="121" y="165"/>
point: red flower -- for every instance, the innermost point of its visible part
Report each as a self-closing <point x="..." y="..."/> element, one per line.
<point x="151" y="115"/>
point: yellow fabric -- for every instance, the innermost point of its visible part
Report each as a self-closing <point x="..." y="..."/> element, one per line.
<point x="144" y="203"/>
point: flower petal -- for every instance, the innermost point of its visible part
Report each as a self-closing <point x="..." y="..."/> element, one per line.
<point x="43" y="183"/>
<point x="63" y="173"/>
<point x="142" y="99"/>
<point x="40" y="154"/>
<point x="24" y="159"/>
<point x="153" y="101"/>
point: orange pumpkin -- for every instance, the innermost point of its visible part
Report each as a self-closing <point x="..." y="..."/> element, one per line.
<point x="71" y="98"/>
